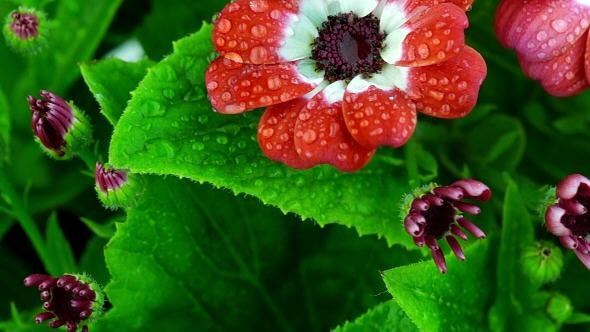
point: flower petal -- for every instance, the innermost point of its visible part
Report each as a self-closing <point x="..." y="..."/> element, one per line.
<point x="276" y="133"/>
<point x="236" y="87"/>
<point x="377" y="117"/>
<point x="573" y="184"/>
<point x="252" y="31"/>
<point x="361" y="8"/>
<point x="321" y="135"/>
<point x="435" y="35"/>
<point x="448" y="89"/>
<point x="541" y="30"/>
<point x="563" y="75"/>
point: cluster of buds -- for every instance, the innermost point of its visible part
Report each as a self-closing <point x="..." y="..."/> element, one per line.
<point x="59" y="126"/>
<point x="69" y="300"/>
<point x="25" y="30"/>
<point x="436" y="212"/>
<point x="569" y="219"/>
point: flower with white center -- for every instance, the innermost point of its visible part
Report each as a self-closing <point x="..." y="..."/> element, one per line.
<point x="342" y="77"/>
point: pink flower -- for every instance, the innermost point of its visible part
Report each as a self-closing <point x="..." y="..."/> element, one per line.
<point x="551" y="40"/>
<point x="438" y="213"/>
<point x="569" y="218"/>
<point x="342" y="77"/>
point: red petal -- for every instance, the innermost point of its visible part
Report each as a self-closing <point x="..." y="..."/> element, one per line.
<point x="377" y="117"/>
<point x="276" y="130"/>
<point x="587" y="58"/>
<point x="235" y="87"/>
<point x="563" y="75"/>
<point x="252" y="31"/>
<point x="541" y="30"/>
<point x="437" y="34"/>
<point x="412" y="5"/>
<point x="448" y="89"/>
<point x="321" y="136"/>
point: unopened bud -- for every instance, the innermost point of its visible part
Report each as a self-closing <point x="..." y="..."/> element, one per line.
<point x="26" y="30"/>
<point x="542" y="262"/>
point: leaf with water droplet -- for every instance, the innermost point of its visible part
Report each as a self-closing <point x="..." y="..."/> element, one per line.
<point x="111" y="80"/>
<point x="223" y="150"/>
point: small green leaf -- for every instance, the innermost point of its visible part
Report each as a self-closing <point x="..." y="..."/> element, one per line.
<point x="170" y="128"/>
<point x="111" y="80"/>
<point x="386" y="317"/>
<point x="518" y="305"/>
<point x="105" y="231"/>
<point x="58" y="249"/>
<point x="456" y="301"/>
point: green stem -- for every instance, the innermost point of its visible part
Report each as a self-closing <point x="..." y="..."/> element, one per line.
<point x="412" y="164"/>
<point x="88" y="157"/>
<point x="21" y="213"/>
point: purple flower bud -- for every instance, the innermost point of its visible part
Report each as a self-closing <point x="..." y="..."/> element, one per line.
<point x="569" y="218"/>
<point x="109" y="179"/>
<point x="24" y="24"/>
<point x="437" y="213"/>
<point x="52" y="119"/>
<point x="62" y="305"/>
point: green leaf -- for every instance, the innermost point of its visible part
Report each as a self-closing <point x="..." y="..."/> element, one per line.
<point x="518" y="305"/>
<point x="202" y="257"/>
<point x="170" y="128"/>
<point x="111" y="80"/>
<point x="456" y="301"/>
<point x="58" y="249"/>
<point x="92" y="261"/>
<point x="386" y="317"/>
<point x="105" y="231"/>
<point x="4" y="129"/>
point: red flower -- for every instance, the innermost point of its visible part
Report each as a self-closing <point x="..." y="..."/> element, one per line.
<point x="569" y="218"/>
<point x="551" y="40"/>
<point x="342" y="77"/>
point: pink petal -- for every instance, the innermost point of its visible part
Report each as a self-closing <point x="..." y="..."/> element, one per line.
<point x="417" y="5"/>
<point x="569" y="187"/>
<point x="543" y="29"/>
<point x="377" y="117"/>
<point x="439" y="259"/>
<point x="321" y="135"/>
<point x="448" y="89"/>
<point x="563" y="75"/>
<point x="437" y="34"/>
<point x="235" y="88"/>
<point x="474" y="189"/>
<point x="276" y="133"/>
<point x="253" y="31"/>
<point x="553" y="222"/>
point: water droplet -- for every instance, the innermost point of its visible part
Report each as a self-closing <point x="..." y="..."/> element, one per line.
<point x="222" y="140"/>
<point x="153" y="109"/>
<point x="199" y="146"/>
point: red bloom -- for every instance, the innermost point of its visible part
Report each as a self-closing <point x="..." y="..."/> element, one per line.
<point x="551" y="40"/>
<point x="569" y="218"/>
<point x="342" y="77"/>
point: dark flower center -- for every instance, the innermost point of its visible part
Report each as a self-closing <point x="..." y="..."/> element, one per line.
<point x="439" y="220"/>
<point x="347" y="46"/>
<point x="60" y="299"/>
<point x="25" y="25"/>
<point x="579" y="225"/>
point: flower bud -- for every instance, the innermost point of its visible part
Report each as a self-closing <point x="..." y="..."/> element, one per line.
<point x="542" y="262"/>
<point x="116" y="188"/>
<point x="60" y="128"/>
<point x="559" y="308"/>
<point x="26" y="30"/>
<point x="75" y="300"/>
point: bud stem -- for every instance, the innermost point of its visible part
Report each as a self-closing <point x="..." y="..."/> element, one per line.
<point x="24" y="218"/>
<point x="412" y="164"/>
<point x="88" y="157"/>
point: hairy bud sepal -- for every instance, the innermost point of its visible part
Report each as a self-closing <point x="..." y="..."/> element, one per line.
<point x="542" y="262"/>
<point x="116" y="188"/>
<point x="26" y="31"/>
